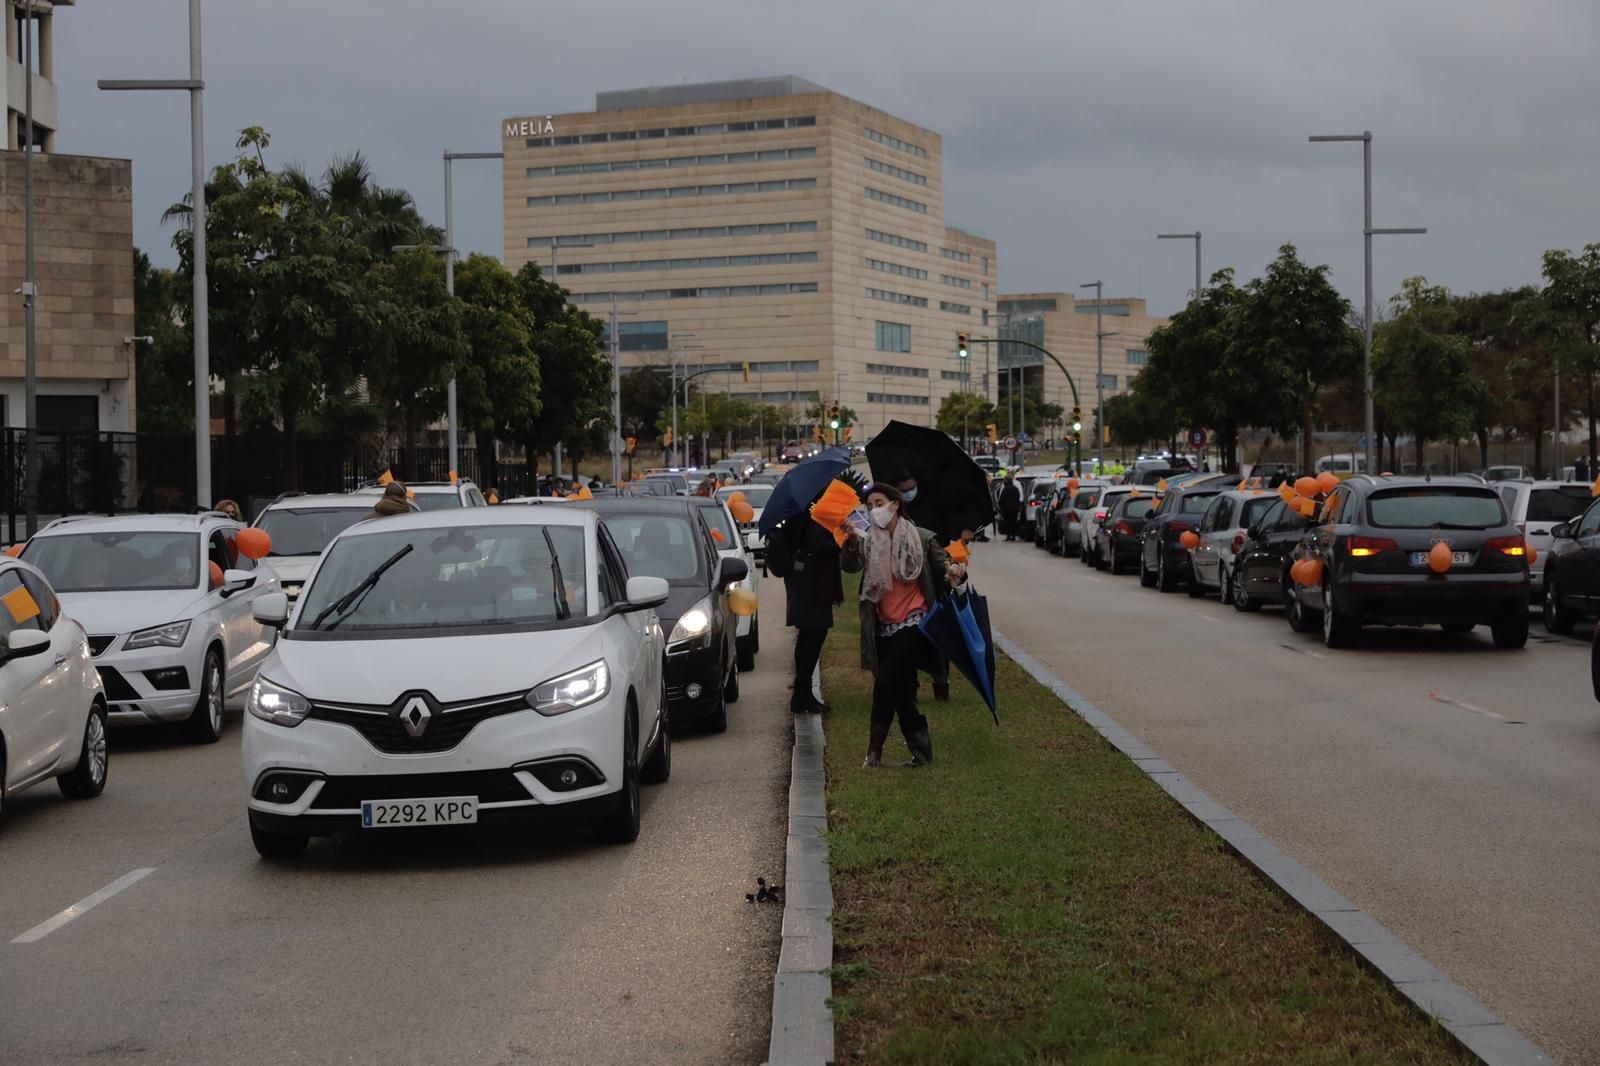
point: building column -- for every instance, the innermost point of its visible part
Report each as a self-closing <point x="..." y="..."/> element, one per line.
<point x="47" y="45"/>
<point x="13" y="42"/>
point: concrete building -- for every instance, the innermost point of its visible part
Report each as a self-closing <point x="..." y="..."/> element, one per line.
<point x="83" y="251"/>
<point x="1065" y="325"/>
<point x="767" y="221"/>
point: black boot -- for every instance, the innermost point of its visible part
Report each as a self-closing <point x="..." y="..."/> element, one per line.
<point x="816" y="706"/>
<point x="921" y="745"/>
<point x="875" y="747"/>
<point x="941" y="691"/>
<point x="800" y="702"/>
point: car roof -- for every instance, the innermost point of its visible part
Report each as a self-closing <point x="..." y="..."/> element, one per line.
<point x="325" y="499"/>
<point x="640" y="504"/>
<point x="1400" y="481"/>
<point x="472" y="517"/>
<point x="134" y="523"/>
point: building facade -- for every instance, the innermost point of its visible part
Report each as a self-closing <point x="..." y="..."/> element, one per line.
<point x="83" y="254"/>
<point x="767" y="221"/>
<point x="1065" y="325"/>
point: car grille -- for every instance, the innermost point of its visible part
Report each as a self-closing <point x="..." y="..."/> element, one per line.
<point x="100" y="644"/>
<point x="447" y="726"/>
<point x="490" y="786"/>
<point x="117" y="688"/>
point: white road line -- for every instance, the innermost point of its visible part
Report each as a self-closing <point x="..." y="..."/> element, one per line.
<point x="87" y="903"/>
<point x="1207" y="617"/>
<point x="1302" y="651"/>
<point x="1464" y="706"/>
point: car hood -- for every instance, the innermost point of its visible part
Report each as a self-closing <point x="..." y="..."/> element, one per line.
<point x="377" y="672"/>
<point x="123" y="612"/>
<point x="679" y="599"/>
<point x="293" y="567"/>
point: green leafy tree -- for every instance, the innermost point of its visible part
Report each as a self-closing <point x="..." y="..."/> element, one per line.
<point x="1136" y="418"/>
<point x="646" y="397"/>
<point x="163" y="365"/>
<point x="575" y="375"/>
<point x="1196" y="376"/>
<point x="1423" y="368"/>
<point x="1291" y="333"/>
<point x="499" y="390"/>
<point x="964" y="415"/>
<point x="1572" y="290"/>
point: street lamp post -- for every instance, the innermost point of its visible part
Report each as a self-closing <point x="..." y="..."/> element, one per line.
<point x="1195" y="236"/>
<point x="30" y="289"/>
<point x="194" y="85"/>
<point x="1365" y="137"/>
<point x="450" y="287"/>
<point x="1099" y="359"/>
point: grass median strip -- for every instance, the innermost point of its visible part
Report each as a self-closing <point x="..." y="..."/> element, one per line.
<point x="1033" y="897"/>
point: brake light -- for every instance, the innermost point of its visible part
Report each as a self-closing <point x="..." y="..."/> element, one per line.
<point x="1510" y="545"/>
<point x="1363" y="546"/>
<point x="1125" y="529"/>
<point x="1099" y="516"/>
<point x="1178" y="525"/>
<point x="1238" y="543"/>
<point x="1072" y="516"/>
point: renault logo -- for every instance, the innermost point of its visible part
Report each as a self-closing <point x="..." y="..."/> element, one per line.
<point x="414" y="716"/>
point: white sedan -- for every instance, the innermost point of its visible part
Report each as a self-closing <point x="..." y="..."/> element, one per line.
<point x="724" y="530"/>
<point x="446" y="668"/>
<point x="52" y="709"/>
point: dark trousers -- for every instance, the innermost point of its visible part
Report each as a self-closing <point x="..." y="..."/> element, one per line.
<point x="894" y="688"/>
<point x="807" y="653"/>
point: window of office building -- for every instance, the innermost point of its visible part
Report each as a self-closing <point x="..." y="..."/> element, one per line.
<point x="675" y="131"/>
<point x="896" y="240"/>
<point x="958" y="256"/>
<point x="895" y="142"/>
<point x="1105" y="309"/>
<point x="952" y="375"/>
<point x="887" y="370"/>
<point x="951" y="279"/>
<point x="894" y="337"/>
<point x="713" y="159"/>
<point x="684" y="233"/>
<point x="985" y="266"/>
<point x="1137" y="357"/>
<point x="673" y="192"/>
<point x="897" y="201"/>
<point x="897" y="399"/>
<point x="689" y="263"/>
<point x="897" y="297"/>
<point x="959" y="309"/>
<point x="894" y="171"/>
<point x="636" y="336"/>
<point x="1108" y="381"/>
<point x="701" y="292"/>
<point x="1023" y="307"/>
<point x="896" y="268"/>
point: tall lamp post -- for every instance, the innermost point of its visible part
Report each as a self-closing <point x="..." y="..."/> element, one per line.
<point x="1195" y="236"/>
<point x="1099" y="360"/>
<point x="194" y="85"/>
<point x="451" y="423"/>
<point x="1365" y="137"/>
<point x="29" y="290"/>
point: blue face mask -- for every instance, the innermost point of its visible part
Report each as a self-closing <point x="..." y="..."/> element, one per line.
<point x="909" y="494"/>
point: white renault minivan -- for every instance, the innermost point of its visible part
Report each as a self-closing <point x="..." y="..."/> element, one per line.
<point x="445" y="668"/>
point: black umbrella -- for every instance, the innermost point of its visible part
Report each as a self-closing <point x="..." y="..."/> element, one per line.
<point x="952" y="490"/>
<point x="800" y="487"/>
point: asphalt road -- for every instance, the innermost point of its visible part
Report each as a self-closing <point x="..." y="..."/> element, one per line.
<point x="403" y="947"/>
<point x="1448" y="788"/>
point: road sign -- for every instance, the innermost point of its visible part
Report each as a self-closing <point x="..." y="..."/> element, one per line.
<point x="1010" y="444"/>
<point x="1197" y="438"/>
<point x="1023" y="437"/>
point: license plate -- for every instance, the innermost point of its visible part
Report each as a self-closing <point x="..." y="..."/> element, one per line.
<point x="436" y="810"/>
<point x="1456" y="558"/>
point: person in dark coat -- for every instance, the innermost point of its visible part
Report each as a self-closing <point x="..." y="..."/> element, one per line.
<point x="806" y="557"/>
<point x="1010" y="503"/>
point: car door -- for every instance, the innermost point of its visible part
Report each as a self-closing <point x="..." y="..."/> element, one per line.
<point x="35" y="714"/>
<point x="65" y="638"/>
<point x="1214" y="529"/>
<point x="1580" y="565"/>
<point x="244" y="640"/>
<point x="629" y="632"/>
<point x="1255" y="566"/>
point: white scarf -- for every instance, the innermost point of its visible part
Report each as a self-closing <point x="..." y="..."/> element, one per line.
<point x="891" y="556"/>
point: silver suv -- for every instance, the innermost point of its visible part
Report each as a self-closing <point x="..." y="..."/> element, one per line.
<point x="1536" y="506"/>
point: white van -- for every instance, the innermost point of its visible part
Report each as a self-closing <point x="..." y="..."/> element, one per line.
<point x="1343" y="464"/>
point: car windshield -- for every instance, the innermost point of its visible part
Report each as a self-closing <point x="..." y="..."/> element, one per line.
<point x="1195" y="503"/>
<point x="1558" y="505"/>
<point x="1136" y="506"/>
<point x="657" y="545"/>
<point x="755" y="495"/>
<point x="436" y="501"/>
<point x="1041" y="489"/>
<point x="452" y="578"/>
<point x="307" y="530"/>
<point x="1254" y="509"/>
<point x="1086" y="498"/>
<point x="117" y="562"/>
<point x="1458" y="507"/>
<point x="717" y="521"/>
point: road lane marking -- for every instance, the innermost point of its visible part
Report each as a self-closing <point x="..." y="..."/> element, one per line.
<point x="1207" y="617"/>
<point x="1464" y="706"/>
<point x="1302" y="651"/>
<point x="83" y="906"/>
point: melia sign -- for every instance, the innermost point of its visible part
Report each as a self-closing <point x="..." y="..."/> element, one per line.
<point x="530" y="127"/>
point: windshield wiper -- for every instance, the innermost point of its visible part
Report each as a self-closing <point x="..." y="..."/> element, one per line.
<point x="343" y="603"/>
<point x="563" y="610"/>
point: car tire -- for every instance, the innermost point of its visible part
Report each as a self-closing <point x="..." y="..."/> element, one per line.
<point x="1166" y="580"/>
<point x="1511" y="631"/>
<point x="1301" y="620"/>
<point x="270" y="845"/>
<point x="1557" y="619"/>
<point x="658" y="767"/>
<point x="1147" y="578"/>
<point x="1242" y="600"/>
<point x="1339" y="630"/>
<point x="755" y="635"/>
<point x="745" y="651"/>
<point x="730" y="691"/>
<point x="1196" y="590"/>
<point x="1115" y="565"/>
<point x="88" y="779"/>
<point x="621" y="826"/>
<point x="204" y="724"/>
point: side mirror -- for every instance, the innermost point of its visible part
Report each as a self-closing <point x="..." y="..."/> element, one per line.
<point x="23" y="643"/>
<point x="271" y="610"/>
<point x="730" y="571"/>
<point x="645" y="592"/>
<point x="753" y="542"/>
<point x="236" y="581"/>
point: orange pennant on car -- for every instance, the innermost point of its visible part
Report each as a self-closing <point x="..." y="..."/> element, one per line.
<point x="20" y="602"/>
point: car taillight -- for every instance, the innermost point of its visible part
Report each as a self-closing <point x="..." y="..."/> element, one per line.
<point x="1125" y="529"/>
<point x="1238" y="543"/>
<point x="1072" y="516"/>
<point x="1510" y="545"/>
<point x="1362" y="546"/>
<point x="1099" y="516"/>
<point x="1178" y="525"/>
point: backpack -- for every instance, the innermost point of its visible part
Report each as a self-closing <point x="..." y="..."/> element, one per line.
<point x="780" y="552"/>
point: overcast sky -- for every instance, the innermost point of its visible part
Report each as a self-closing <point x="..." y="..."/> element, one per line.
<point x="1073" y="132"/>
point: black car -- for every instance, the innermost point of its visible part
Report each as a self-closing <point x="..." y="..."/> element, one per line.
<point x="1116" y="543"/>
<point x="1373" y="539"/>
<point x="1261" y="566"/>
<point x="1163" y="560"/>
<point x="1572" y="571"/>
<point x="665" y="538"/>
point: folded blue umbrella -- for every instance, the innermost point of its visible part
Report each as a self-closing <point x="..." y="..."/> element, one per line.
<point x="799" y="488"/>
<point x="959" y="627"/>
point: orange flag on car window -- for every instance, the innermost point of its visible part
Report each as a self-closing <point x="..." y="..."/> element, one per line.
<point x="20" y="602"/>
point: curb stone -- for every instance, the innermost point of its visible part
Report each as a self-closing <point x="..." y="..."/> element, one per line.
<point x="802" y="1024"/>
<point x="1472" y="1025"/>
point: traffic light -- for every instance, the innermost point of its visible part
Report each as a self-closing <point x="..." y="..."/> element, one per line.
<point x="993" y="431"/>
<point x="1077" y="418"/>
<point x="632" y="441"/>
<point x="747" y="370"/>
<point x="961" y="346"/>
<point x="666" y="438"/>
<point x="848" y="430"/>
<point x="833" y="417"/>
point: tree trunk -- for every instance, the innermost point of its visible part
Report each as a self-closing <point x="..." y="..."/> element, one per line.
<point x="408" y="465"/>
<point x="1308" y="438"/>
<point x="230" y="405"/>
<point x="1483" y="446"/>
<point x="1538" y="449"/>
<point x="1589" y="375"/>
<point x="1422" y="458"/>
<point x="289" y="411"/>
<point x="483" y="444"/>
<point x="1394" y="453"/>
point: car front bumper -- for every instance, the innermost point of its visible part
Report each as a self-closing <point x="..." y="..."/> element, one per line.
<point x="695" y="667"/>
<point x="130" y="680"/>
<point x="1416" y="599"/>
<point x="498" y="762"/>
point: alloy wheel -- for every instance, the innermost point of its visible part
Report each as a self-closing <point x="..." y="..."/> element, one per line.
<point x="95" y="746"/>
<point x="214" y="695"/>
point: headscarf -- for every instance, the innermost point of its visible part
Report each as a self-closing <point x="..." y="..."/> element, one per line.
<point x="894" y="554"/>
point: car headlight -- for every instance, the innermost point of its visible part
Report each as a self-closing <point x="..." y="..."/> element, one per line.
<point x="276" y="704"/>
<point x="570" y="691"/>
<point x="693" y="624"/>
<point x="171" y="635"/>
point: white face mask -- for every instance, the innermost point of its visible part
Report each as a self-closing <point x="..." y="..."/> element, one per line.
<point x="909" y="494"/>
<point x="882" y="516"/>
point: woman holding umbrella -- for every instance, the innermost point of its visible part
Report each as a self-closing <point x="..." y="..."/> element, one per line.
<point x="902" y="569"/>
<point x="806" y="557"/>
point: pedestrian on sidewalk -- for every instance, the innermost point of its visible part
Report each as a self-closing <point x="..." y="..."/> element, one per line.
<point x="1010" y="501"/>
<point x="948" y="527"/>
<point x="806" y="557"/>
<point x="903" y="569"/>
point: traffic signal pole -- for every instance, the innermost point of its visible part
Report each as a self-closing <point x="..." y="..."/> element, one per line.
<point x="1076" y="402"/>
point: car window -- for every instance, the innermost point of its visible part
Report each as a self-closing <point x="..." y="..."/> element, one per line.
<point x="306" y="530"/>
<point x="436" y="501"/>
<point x="1087" y="498"/>
<point x="475" y="498"/>
<point x="1589" y="525"/>
<point x="755" y="495"/>
<point x="17" y="605"/>
<point x="658" y="545"/>
<point x="1253" y="510"/>
<point x="717" y="522"/>
<point x="222" y="550"/>
<point x="49" y="606"/>
<point x="129" y="561"/>
<point x="1435" y="505"/>
<point x="1136" y="507"/>
<point x="1195" y="502"/>
<point x="1269" y="520"/>
<point x="1557" y="505"/>
<point x="1509" y="495"/>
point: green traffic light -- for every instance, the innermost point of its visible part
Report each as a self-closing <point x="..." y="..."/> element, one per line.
<point x="1076" y="426"/>
<point x="834" y="424"/>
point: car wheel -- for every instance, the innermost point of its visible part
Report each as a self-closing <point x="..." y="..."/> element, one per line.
<point x="1557" y="619"/>
<point x="1147" y="578"/>
<point x="1339" y="630"/>
<point x="1511" y="631"/>
<point x="621" y="826"/>
<point x="204" y="724"/>
<point x="730" y="691"/>
<point x="88" y="778"/>
<point x="1242" y="600"/>
<point x="745" y="649"/>
<point x="658" y="767"/>
<point x="1115" y="564"/>
<point x="1196" y="590"/>
<point x="270" y="845"/>
<point x="755" y="635"/>
<point x="1301" y="620"/>
<point x="1166" y="580"/>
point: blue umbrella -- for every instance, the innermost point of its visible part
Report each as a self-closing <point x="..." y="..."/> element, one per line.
<point x="958" y="626"/>
<point x="801" y="486"/>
